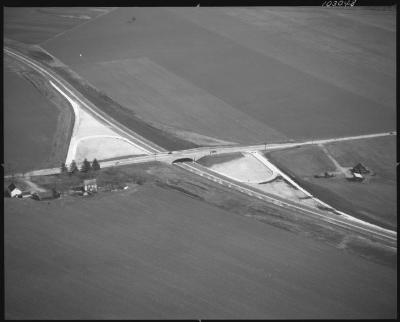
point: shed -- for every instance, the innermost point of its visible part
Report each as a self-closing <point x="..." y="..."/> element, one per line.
<point x="90" y="185"/>
<point x="46" y="195"/>
<point x="25" y="194"/>
<point x="13" y="191"/>
<point x="355" y="177"/>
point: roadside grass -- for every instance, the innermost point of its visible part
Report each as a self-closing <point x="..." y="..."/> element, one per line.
<point x="373" y="200"/>
<point x="210" y="160"/>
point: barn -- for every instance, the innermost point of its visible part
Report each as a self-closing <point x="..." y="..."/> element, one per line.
<point x="360" y="168"/>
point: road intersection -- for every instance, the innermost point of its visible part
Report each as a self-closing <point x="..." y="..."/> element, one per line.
<point x="156" y="153"/>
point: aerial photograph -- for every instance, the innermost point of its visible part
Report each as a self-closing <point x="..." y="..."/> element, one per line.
<point x="203" y="162"/>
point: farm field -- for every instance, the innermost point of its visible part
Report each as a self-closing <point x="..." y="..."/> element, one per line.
<point x="373" y="200"/>
<point x="35" y="25"/>
<point x="295" y="72"/>
<point x="128" y="255"/>
<point x="35" y="128"/>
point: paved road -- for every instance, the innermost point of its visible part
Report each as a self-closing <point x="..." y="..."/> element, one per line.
<point x="159" y="154"/>
<point x="334" y="218"/>
<point x="86" y="104"/>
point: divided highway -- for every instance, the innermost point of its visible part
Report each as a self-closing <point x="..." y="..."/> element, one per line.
<point x="159" y="154"/>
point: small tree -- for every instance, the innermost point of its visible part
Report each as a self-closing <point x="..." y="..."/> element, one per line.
<point x="63" y="168"/>
<point x="95" y="165"/>
<point x="86" y="167"/>
<point x="73" y="168"/>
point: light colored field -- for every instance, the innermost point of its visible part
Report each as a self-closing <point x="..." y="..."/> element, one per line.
<point x="302" y="72"/>
<point x="87" y="136"/>
<point x="130" y="256"/>
<point x="244" y="169"/>
<point x="373" y="200"/>
<point x="104" y="148"/>
<point x="285" y="190"/>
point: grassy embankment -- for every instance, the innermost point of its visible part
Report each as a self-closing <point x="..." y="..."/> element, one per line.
<point x="373" y="200"/>
<point x="210" y="160"/>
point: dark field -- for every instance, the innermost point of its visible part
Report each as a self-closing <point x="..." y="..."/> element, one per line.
<point x="129" y="255"/>
<point x="35" y="25"/>
<point x="33" y="126"/>
<point x="299" y="72"/>
<point x="374" y="200"/>
<point x="210" y="160"/>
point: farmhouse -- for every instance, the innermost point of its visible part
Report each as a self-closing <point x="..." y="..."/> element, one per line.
<point x="360" y="168"/>
<point x="13" y="191"/>
<point x="90" y="185"/>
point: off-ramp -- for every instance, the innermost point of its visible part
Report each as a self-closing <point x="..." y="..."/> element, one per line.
<point x="77" y="100"/>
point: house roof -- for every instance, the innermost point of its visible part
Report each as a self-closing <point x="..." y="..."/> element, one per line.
<point x="89" y="181"/>
<point x="11" y="187"/>
<point x="359" y="166"/>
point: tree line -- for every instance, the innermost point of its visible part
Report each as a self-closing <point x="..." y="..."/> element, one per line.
<point x="85" y="167"/>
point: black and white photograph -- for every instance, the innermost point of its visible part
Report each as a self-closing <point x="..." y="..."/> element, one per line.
<point x="200" y="162"/>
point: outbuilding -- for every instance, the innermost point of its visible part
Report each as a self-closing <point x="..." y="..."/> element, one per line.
<point x="46" y="195"/>
<point x="13" y="191"/>
<point x="25" y="194"/>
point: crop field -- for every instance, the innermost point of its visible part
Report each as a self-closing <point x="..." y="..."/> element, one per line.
<point x="373" y="200"/>
<point x="128" y="255"/>
<point x="36" y="130"/>
<point x="163" y="98"/>
<point x="160" y="242"/>
<point x="292" y="70"/>
<point x="35" y="25"/>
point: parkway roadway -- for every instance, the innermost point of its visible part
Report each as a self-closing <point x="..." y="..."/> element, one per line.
<point x="156" y="153"/>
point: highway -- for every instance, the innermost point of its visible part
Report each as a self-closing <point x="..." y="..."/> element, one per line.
<point x="84" y="103"/>
<point x="157" y="153"/>
<point x="334" y="218"/>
